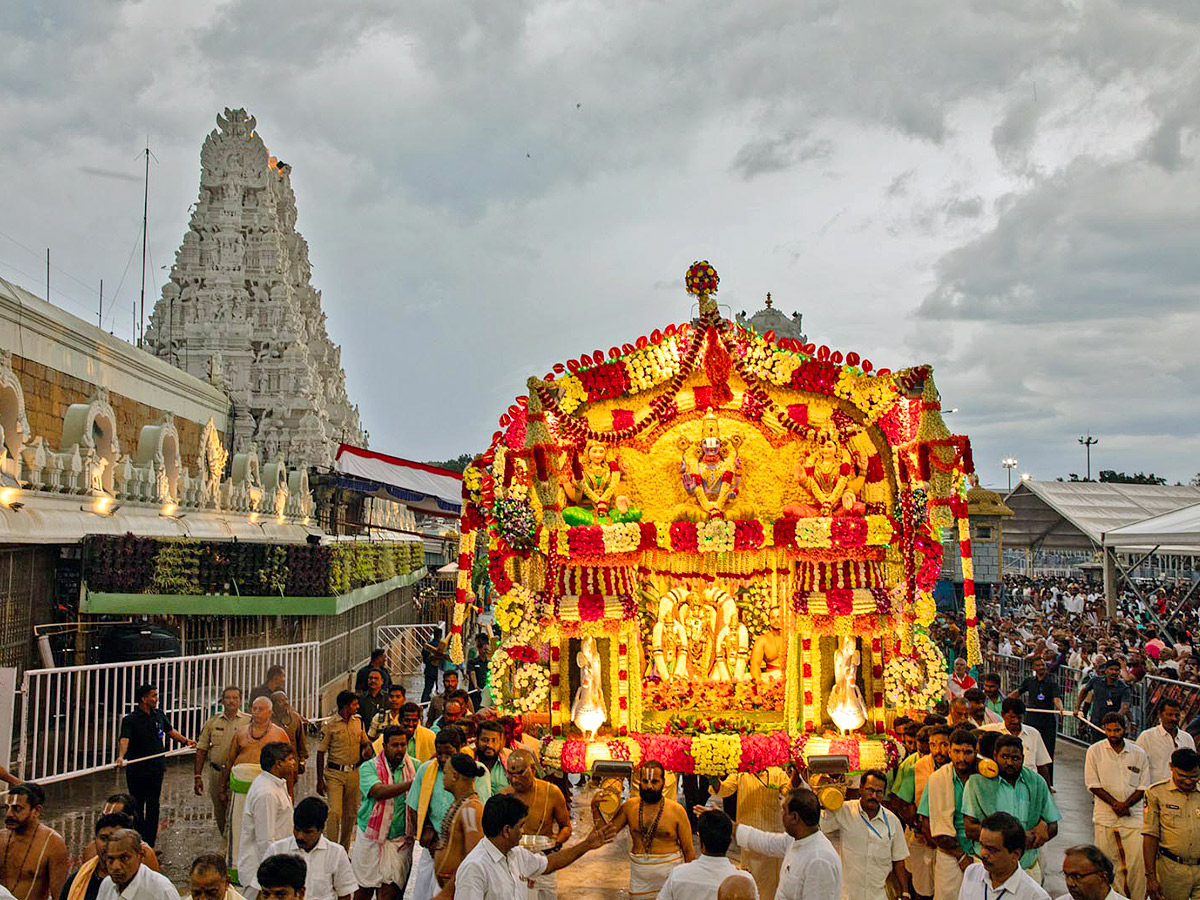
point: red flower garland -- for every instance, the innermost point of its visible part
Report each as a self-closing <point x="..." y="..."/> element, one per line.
<point x="840" y="601"/>
<point x="684" y="537"/>
<point x="522" y="653"/>
<point x="591" y="607"/>
<point x="747" y="534"/>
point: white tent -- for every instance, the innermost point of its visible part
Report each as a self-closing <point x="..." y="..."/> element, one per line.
<point x="1076" y="515"/>
<point x="420" y="486"/>
<point x="1177" y="529"/>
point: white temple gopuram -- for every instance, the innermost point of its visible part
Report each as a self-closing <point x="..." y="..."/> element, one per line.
<point x="240" y="310"/>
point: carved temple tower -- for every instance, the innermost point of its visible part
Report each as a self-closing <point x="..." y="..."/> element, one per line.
<point x="240" y="310"/>
<point x="770" y="319"/>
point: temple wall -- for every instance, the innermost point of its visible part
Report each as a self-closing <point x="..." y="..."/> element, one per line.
<point x="61" y="360"/>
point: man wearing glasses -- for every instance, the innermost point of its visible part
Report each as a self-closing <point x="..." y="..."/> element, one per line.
<point x="1171" y="831"/>
<point x="1089" y="874"/>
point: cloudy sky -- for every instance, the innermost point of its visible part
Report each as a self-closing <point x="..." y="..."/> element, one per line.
<point x="1007" y="189"/>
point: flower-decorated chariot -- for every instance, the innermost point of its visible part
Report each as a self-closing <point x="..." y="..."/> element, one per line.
<point x="717" y="548"/>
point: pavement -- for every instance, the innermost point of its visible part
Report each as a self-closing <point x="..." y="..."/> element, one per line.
<point x="187" y="828"/>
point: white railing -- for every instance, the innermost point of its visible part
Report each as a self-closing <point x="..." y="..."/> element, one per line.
<point x="403" y="645"/>
<point x="71" y="717"/>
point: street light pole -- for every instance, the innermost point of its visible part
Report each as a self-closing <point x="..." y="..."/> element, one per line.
<point x="1087" y="445"/>
<point x="1009" y="463"/>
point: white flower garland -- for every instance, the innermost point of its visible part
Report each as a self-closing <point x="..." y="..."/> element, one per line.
<point x="531" y="687"/>
<point x="917" y="681"/>
<point x="530" y="681"/>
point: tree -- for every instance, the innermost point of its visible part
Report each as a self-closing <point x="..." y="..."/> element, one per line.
<point x="1195" y="482"/>
<point x="454" y="465"/>
<point x="1112" y="477"/>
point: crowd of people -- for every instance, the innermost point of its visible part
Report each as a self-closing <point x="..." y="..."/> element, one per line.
<point x="445" y="799"/>
<point x="406" y="798"/>
<point x="1067" y="623"/>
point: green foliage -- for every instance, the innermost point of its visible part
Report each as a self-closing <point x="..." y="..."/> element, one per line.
<point x="458" y="464"/>
<point x="135" y="565"/>
<point x="1111" y="477"/>
<point x="177" y="569"/>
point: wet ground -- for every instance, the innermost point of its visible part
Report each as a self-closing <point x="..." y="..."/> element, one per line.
<point x="187" y="828"/>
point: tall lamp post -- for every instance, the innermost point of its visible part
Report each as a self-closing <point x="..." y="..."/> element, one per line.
<point x="1087" y="446"/>
<point x="1009" y="463"/>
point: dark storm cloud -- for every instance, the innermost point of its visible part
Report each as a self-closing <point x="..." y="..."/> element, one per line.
<point x="766" y="155"/>
<point x="487" y="188"/>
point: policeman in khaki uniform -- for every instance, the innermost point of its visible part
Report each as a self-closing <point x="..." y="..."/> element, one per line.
<point x="343" y="746"/>
<point x="1171" y="831"/>
<point x="212" y="747"/>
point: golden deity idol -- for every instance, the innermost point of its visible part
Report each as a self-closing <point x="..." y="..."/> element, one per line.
<point x="829" y="482"/>
<point x="595" y="495"/>
<point x="712" y="477"/>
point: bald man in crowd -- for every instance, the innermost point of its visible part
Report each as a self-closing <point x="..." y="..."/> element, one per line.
<point x="737" y="887"/>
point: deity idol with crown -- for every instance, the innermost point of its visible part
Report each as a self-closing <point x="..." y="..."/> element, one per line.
<point x="712" y="477"/>
<point x="829" y="482"/>
<point x="594" y="495"/>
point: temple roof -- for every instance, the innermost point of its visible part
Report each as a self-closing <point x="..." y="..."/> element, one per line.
<point x="982" y="502"/>
<point x="770" y="319"/>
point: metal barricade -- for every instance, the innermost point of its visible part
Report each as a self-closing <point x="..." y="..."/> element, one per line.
<point x="1156" y="690"/>
<point x="1146" y="698"/>
<point x="403" y="644"/>
<point x="71" y="717"/>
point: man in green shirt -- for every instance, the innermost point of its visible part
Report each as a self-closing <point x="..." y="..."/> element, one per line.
<point x="1019" y="791"/>
<point x="941" y="807"/>
<point x="489" y="751"/>
<point x="428" y="802"/>
<point x="381" y="855"/>
<point x="903" y="787"/>
<point x="994" y="700"/>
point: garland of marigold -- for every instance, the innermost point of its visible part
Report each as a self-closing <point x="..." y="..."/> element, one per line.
<point x="970" y="612"/>
<point x="462" y="595"/>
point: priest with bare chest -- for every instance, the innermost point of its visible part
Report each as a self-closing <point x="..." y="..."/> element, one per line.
<point x="660" y="836"/>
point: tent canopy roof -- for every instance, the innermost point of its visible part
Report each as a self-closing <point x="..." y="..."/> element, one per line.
<point x="1179" y="528"/>
<point x="423" y="487"/>
<point x="1075" y="515"/>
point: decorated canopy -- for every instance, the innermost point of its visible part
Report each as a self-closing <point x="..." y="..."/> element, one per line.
<point x="719" y="540"/>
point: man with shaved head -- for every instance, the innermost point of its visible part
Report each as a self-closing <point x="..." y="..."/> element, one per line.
<point x="249" y="739"/>
<point x="548" y="814"/>
<point x="127" y="877"/>
<point x="737" y="887"/>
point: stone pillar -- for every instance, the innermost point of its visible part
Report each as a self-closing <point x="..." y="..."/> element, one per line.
<point x="1111" y="580"/>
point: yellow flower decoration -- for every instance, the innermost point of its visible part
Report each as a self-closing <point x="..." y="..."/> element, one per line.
<point x="573" y="394"/>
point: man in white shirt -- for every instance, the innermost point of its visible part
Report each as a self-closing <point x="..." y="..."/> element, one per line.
<point x="127" y="878"/>
<point x="1117" y="771"/>
<point x="267" y="813"/>
<point x="329" y="874"/>
<point x="498" y="869"/>
<point x="999" y="876"/>
<point x="1037" y="757"/>
<point x="873" y="844"/>
<point x="1089" y="874"/>
<point x="811" y="869"/>
<point x="702" y="877"/>
<point x="1164" y="739"/>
